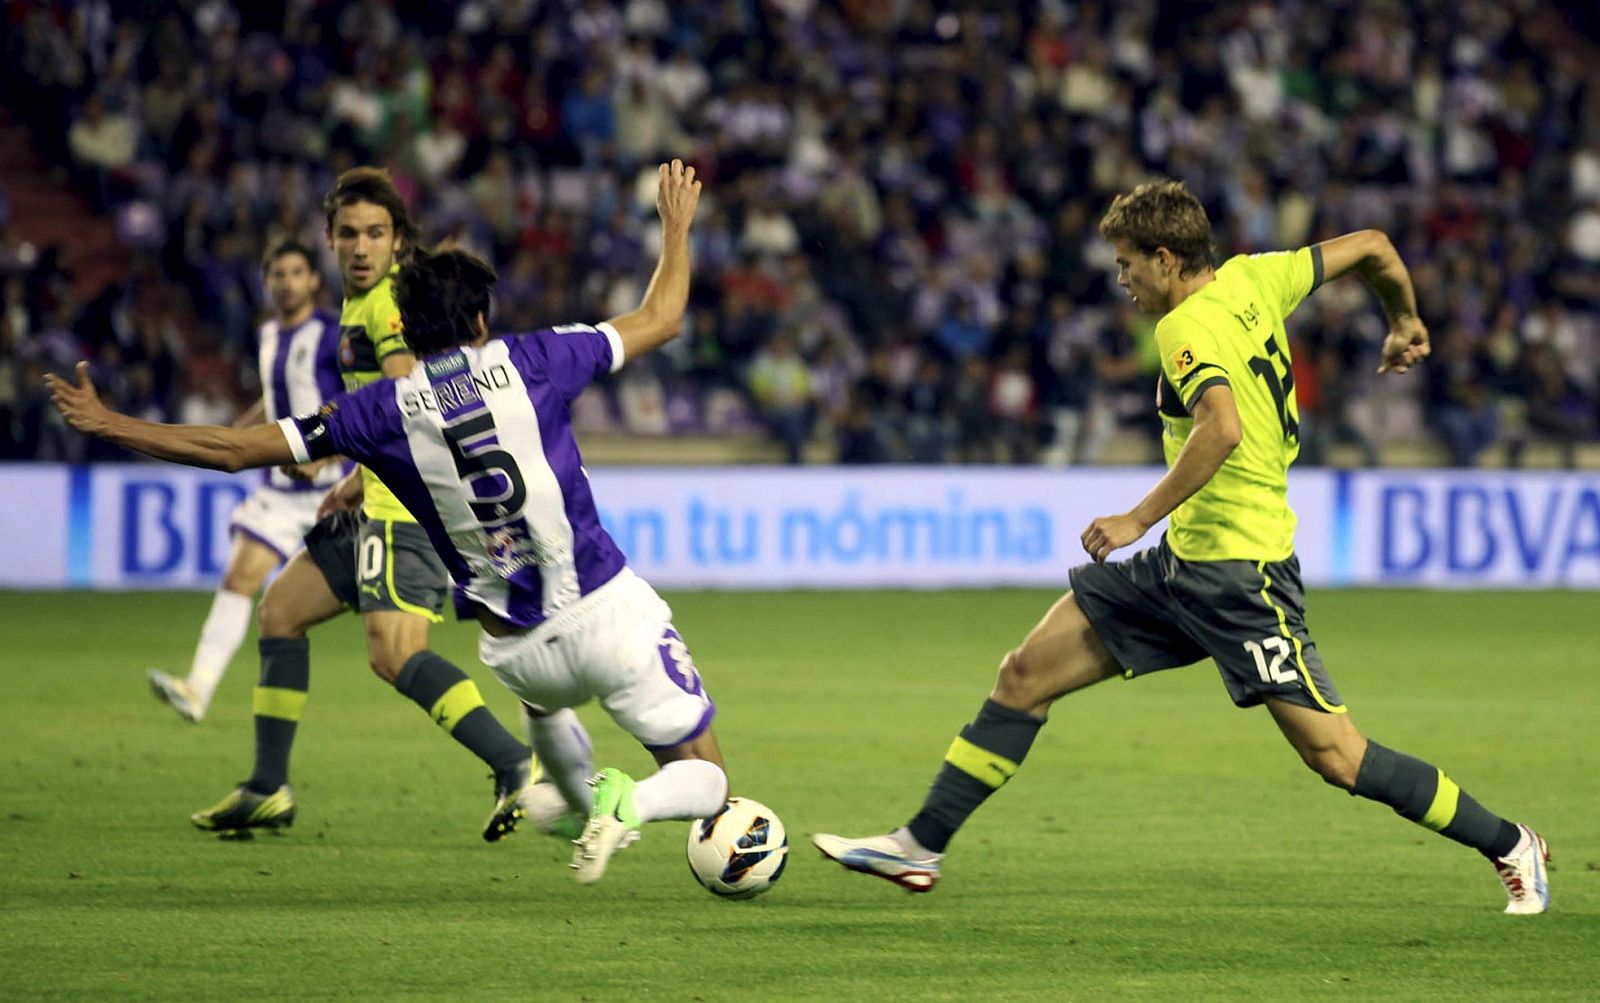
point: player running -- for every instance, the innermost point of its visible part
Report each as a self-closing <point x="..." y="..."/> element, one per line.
<point x="370" y="555"/>
<point x="478" y="443"/>
<point x="1224" y="580"/>
<point x="299" y="360"/>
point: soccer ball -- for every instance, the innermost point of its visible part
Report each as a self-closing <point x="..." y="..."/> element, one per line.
<point x="739" y="852"/>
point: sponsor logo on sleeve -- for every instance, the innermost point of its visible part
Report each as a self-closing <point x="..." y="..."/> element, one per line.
<point x="1183" y="360"/>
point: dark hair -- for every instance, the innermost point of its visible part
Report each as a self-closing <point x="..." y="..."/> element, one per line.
<point x="440" y="293"/>
<point x="1162" y="214"/>
<point x="286" y="247"/>
<point x="371" y="184"/>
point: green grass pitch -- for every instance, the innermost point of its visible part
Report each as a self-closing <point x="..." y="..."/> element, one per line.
<point x="1158" y="843"/>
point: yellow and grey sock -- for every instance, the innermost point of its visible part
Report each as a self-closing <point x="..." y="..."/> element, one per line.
<point x="280" y="697"/>
<point x="981" y="759"/>
<point x="1420" y="792"/>
<point x="448" y="696"/>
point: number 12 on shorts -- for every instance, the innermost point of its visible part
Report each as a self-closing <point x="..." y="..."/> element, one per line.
<point x="1273" y="671"/>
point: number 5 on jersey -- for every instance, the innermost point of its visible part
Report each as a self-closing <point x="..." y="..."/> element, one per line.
<point x="478" y="457"/>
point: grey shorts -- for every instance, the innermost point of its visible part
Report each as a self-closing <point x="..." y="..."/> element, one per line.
<point x="378" y="564"/>
<point x="1157" y="611"/>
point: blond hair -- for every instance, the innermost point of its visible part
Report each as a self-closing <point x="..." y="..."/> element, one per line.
<point x="1162" y="214"/>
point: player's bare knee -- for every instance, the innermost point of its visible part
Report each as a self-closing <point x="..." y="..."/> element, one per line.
<point x="387" y="654"/>
<point x="276" y="618"/>
<point x="386" y="664"/>
<point x="1021" y="681"/>
<point x="386" y="657"/>
<point x="1334" y="767"/>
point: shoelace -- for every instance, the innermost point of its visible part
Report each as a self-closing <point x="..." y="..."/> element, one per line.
<point x="1510" y="876"/>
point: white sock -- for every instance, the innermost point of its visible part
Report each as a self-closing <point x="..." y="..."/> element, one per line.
<point x="686" y="788"/>
<point x="220" y="638"/>
<point x="565" y="753"/>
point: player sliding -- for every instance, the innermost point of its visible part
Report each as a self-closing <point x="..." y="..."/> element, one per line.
<point x="1224" y="580"/>
<point x="477" y="442"/>
<point x="299" y="356"/>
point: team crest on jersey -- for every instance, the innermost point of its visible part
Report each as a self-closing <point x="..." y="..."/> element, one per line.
<point x="1183" y="360"/>
<point x="394" y="324"/>
<point x="511" y="548"/>
<point x="347" y="352"/>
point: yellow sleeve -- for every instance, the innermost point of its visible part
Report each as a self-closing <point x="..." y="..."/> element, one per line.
<point x="1288" y="276"/>
<point x="1190" y="358"/>
<point x="383" y="323"/>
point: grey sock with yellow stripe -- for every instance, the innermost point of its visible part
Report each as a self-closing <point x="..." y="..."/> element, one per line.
<point x="279" y="697"/>
<point x="446" y="694"/>
<point x="1422" y="793"/>
<point x="981" y="759"/>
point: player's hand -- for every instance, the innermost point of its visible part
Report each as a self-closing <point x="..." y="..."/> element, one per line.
<point x="1111" y="532"/>
<point x="346" y="496"/>
<point x="1405" y="346"/>
<point x="77" y="401"/>
<point x="677" y="196"/>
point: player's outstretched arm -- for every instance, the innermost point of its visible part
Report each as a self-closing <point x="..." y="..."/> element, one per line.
<point x="659" y="317"/>
<point x="1371" y="254"/>
<point x="211" y="446"/>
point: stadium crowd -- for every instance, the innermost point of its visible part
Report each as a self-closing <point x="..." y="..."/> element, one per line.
<point x="897" y="254"/>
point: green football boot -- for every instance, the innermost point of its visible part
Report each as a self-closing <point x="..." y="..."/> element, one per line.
<point x="612" y="825"/>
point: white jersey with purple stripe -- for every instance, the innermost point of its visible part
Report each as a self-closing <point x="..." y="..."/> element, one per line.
<point x="477" y="444"/>
<point x="299" y="374"/>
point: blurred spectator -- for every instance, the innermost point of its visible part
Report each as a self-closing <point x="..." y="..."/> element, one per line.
<point x="781" y="386"/>
<point x="206" y="404"/>
<point x="1014" y="406"/>
<point x="10" y="392"/>
<point x="1459" y="401"/>
<point x="929" y="425"/>
<point x="861" y="437"/>
<point x="102" y="144"/>
<point x="1556" y="408"/>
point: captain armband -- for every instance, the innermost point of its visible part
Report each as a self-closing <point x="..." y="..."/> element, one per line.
<point x="308" y="437"/>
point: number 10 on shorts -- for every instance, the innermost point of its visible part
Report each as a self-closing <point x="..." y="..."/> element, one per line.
<point x="1272" y="671"/>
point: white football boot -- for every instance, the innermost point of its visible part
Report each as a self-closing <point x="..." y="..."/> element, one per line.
<point x="882" y="857"/>
<point x="178" y="694"/>
<point x="1523" y="874"/>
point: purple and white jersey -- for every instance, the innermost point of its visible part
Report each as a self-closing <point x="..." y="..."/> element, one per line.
<point x="477" y="444"/>
<point x="300" y="373"/>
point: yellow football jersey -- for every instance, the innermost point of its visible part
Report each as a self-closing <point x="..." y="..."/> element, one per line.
<point x="369" y="332"/>
<point x="1231" y="333"/>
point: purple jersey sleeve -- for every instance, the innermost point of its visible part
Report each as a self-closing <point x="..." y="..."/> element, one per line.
<point x="356" y="425"/>
<point x="569" y="357"/>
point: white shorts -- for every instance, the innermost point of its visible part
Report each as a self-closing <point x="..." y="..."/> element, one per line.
<point x="279" y="519"/>
<point x="616" y="644"/>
